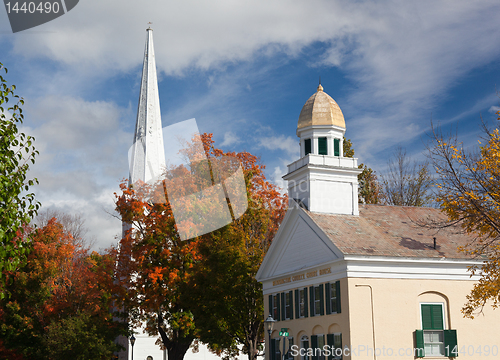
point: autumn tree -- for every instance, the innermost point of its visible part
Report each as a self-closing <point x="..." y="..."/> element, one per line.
<point x="369" y="187"/>
<point x="406" y="183"/>
<point x="73" y="224"/>
<point x="179" y="287"/>
<point x="60" y="287"/>
<point x="226" y="298"/>
<point x="468" y="191"/>
<point x="154" y="264"/>
<point x="17" y="205"/>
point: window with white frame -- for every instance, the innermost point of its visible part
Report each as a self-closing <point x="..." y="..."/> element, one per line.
<point x="302" y="302"/>
<point x="275" y="306"/>
<point x="434" y="339"/>
<point x="316" y="300"/>
<point x="433" y="326"/>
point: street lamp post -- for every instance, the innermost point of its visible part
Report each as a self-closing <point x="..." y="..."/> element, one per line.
<point x="269" y="324"/>
<point x="132" y="342"/>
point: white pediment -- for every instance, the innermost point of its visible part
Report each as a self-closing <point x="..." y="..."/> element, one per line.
<point x="299" y="244"/>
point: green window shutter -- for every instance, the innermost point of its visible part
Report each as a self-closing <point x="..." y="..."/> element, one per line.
<point x="419" y="344"/>
<point x="330" y="343"/>
<point x="311" y="299"/>
<point x="290" y="294"/>
<point x="328" y="296"/>
<point x="271" y="305"/>
<point x="336" y="147"/>
<point x="437" y="317"/>
<point x="283" y="306"/>
<point x="307" y="146"/>
<point x="297" y="304"/>
<point x="426" y="317"/>
<point x="322" y="300"/>
<point x="340" y="336"/>
<point x="337" y="287"/>
<point x="322" y="146"/>
<point x="314" y="345"/>
<point x="432" y="317"/>
<point x="278" y="303"/>
<point x="450" y="343"/>
<point x="272" y="352"/>
<point x="306" y="313"/>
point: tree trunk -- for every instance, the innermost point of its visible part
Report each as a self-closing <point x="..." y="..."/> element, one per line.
<point x="177" y="348"/>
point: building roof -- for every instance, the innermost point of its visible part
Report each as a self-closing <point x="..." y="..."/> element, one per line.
<point x="391" y="231"/>
<point x="320" y="109"/>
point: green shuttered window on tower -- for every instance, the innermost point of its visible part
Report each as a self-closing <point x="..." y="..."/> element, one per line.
<point x="307" y="146"/>
<point x="336" y="147"/>
<point x="322" y="146"/>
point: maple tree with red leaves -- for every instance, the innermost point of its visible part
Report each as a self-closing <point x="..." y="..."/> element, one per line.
<point x="163" y="281"/>
<point x="60" y="301"/>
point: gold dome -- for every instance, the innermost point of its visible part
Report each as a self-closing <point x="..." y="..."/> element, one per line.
<point x="320" y="109"/>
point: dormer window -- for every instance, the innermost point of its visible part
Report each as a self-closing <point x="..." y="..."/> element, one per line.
<point x="307" y="146"/>
<point x="322" y="146"/>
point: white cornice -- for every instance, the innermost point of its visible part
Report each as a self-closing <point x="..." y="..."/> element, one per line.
<point x="379" y="267"/>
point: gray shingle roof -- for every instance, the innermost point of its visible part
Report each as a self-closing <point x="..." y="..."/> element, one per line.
<point x="392" y="231"/>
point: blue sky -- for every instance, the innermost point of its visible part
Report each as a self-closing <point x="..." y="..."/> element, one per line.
<point x="244" y="69"/>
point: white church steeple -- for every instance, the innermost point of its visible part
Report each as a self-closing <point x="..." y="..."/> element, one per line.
<point x="147" y="156"/>
<point x="323" y="179"/>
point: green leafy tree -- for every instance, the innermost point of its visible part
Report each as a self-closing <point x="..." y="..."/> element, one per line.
<point x="369" y="187"/>
<point x="227" y="300"/>
<point x="17" y="207"/>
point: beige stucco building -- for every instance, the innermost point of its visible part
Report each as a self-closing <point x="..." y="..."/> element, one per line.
<point x="363" y="281"/>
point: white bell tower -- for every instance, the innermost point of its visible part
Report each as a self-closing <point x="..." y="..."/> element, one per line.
<point x="323" y="179"/>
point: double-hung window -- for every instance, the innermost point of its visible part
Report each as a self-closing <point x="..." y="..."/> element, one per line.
<point x="301" y="303"/>
<point x="433" y="326"/>
<point x="332" y="293"/>
<point x="334" y="342"/>
<point x="317" y="345"/>
<point x="434" y="339"/>
<point x="316" y="300"/>
<point x="274" y="306"/>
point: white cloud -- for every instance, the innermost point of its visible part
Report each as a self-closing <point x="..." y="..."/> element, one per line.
<point x="401" y="57"/>
<point x="494" y="109"/>
<point x="230" y="138"/>
<point x="285" y="143"/>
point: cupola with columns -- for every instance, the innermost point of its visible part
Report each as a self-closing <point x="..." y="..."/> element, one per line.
<point x="323" y="179"/>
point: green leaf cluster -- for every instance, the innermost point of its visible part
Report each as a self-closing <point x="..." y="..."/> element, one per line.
<point x="17" y="206"/>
